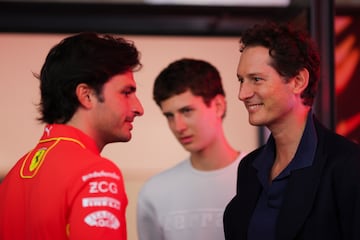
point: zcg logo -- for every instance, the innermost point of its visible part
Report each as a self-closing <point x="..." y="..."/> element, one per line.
<point x="103" y="187"/>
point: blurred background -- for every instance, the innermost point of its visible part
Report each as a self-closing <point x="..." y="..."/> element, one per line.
<point x="163" y="31"/>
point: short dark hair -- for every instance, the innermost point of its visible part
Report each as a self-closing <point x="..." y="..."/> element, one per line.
<point x="198" y="76"/>
<point x="88" y="58"/>
<point x="290" y="49"/>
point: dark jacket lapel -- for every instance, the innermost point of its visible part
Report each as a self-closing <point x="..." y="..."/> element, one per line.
<point x="300" y="194"/>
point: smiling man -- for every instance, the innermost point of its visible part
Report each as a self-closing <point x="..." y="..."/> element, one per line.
<point x="304" y="183"/>
<point x="188" y="200"/>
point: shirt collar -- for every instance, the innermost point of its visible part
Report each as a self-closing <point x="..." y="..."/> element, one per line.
<point x="304" y="155"/>
<point x="66" y="132"/>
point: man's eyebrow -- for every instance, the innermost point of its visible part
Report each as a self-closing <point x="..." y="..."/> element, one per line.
<point x="178" y="110"/>
<point x="167" y="113"/>
<point x="251" y="74"/>
<point x="131" y="88"/>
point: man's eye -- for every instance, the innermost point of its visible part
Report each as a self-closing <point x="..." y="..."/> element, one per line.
<point x="186" y="110"/>
<point x="169" y="116"/>
<point x="127" y="93"/>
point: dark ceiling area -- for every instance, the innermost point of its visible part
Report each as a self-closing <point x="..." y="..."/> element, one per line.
<point x="140" y="19"/>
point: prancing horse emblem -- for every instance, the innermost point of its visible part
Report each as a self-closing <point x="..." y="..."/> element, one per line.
<point x="36" y="160"/>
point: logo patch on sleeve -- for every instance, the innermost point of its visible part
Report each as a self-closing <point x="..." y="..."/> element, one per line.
<point x="102" y="218"/>
<point x="32" y="163"/>
<point x="37" y="158"/>
<point x="101" y="202"/>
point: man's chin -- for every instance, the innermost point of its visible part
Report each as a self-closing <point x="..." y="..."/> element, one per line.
<point x="255" y="122"/>
<point x="188" y="147"/>
<point x="125" y="138"/>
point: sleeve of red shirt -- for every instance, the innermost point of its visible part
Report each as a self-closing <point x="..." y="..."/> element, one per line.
<point x="97" y="202"/>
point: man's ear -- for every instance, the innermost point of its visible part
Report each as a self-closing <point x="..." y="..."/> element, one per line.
<point x="301" y="81"/>
<point x="220" y="104"/>
<point x="84" y="94"/>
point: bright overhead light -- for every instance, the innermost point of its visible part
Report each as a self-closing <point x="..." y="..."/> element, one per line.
<point x="272" y="3"/>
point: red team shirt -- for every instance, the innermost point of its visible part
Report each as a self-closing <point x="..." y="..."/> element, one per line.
<point x="63" y="189"/>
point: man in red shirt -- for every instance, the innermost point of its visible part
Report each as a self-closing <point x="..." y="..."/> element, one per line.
<point x="63" y="188"/>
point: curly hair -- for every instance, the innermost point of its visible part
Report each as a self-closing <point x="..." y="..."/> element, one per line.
<point x="290" y="49"/>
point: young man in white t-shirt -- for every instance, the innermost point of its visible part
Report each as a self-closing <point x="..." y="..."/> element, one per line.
<point x="188" y="200"/>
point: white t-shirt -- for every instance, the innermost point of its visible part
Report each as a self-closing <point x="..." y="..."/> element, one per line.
<point x="183" y="203"/>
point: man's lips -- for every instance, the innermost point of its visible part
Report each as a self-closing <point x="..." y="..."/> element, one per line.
<point x="130" y="125"/>
<point x="185" y="140"/>
<point x="253" y="107"/>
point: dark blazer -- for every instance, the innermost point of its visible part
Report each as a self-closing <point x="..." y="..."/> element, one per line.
<point x="321" y="202"/>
